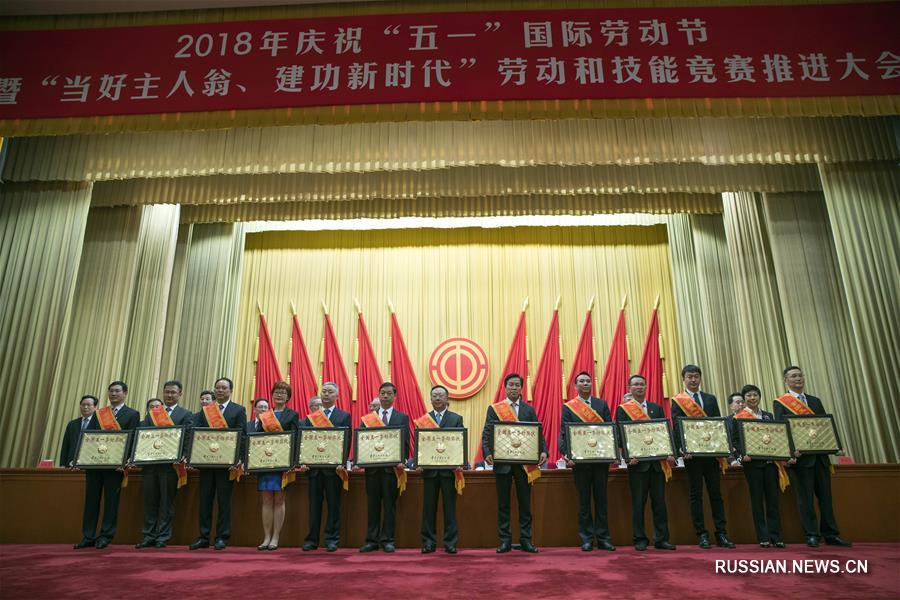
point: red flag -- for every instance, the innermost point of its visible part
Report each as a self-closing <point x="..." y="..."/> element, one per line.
<point x="267" y="371"/>
<point x="615" y="376"/>
<point x="333" y="367"/>
<point x="516" y="362"/>
<point x="368" y="375"/>
<point x="303" y="379"/>
<point x="547" y="390"/>
<point x="584" y="359"/>
<point x="652" y="367"/>
<point x="409" y="396"/>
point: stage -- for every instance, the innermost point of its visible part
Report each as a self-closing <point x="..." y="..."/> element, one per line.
<point x="57" y="571"/>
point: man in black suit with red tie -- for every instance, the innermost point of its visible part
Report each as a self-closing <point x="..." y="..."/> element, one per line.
<point x="106" y="482"/>
<point x="216" y="484"/>
<point x="812" y="472"/>
<point x="87" y="406"/>
<point x="381" y="482"/>
<point x="590" y="478"/>
<point x="440" y="482"/>
<point x="646" y="477"/>
<point x="324" y="482"/>
<point x="506" y="473"/>
<point x="701" y="468"/>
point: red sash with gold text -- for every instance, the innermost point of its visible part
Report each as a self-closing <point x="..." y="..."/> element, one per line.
<point x="794" y="404"/>
<point x="505" y="413"/>
<point x="270" y="422"/>
<point x="214" y="417"/>
<point x="583" y="411"/>
<point x="107" y="419"/>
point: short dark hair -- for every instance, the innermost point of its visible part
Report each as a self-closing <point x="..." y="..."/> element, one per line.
<point x="387" y="384"/>
<point x="282" y="385"/>
<point x="151" y="401"/>
<point x="583" y="373"/>
<point x="230" y="382"/>
<point x="691" y="369"/>
<point x="440" y="387"/>
<point x="750" y="388"/>
<point x="636" y="376"/>
<point x="258" y="400"/>
<point x="733" y="394"/>
<point x="207" y="393"/>
<point x="174" y="382"/>
<point x="121" y="384"/>
<point x="86" y="396"/>
<point x="789" y="369"/>
<point x="513" y="376"/>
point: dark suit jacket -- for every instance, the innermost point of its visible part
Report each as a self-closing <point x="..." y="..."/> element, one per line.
<point x="289" y="419"/>
<point x="338" y="418"/>
<point x="399" y="419"/>
<point x="70" y="442"/>
<point x="179" y="416"/>
<point x="526" y="415"/>
<point x="128" y="419"/>
<point x="654" y="411"/>
<point x="736" y="440"/>
<point x="806" y="461"/>
<point x="235" y="417"/>
<point x="599" y="406"/>
<point x="710" y="407"/>
<point x="449" y="421"/>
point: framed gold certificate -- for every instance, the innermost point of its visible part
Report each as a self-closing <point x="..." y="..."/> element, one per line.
<point x="814" y="434"/>
<point x="214" y="448"/>
<point x="704" y="436"/>
<point x="102" y="449"/>
<point x="157" y="445"/>
<point x="517" y="443"/>
<point x="646" y="440"/>
<point x="441" y="448"/>
<point x="766" y="440"/>
<point x="272" y="451"/>
<point x="323" y="446"/>
<point x="592" y="442"/>
<point x="379" y="446"/>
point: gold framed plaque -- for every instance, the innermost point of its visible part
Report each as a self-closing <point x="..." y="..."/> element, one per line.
<point x="814" y="434"/>
<point x="271" y="451"/>
<point x="214" y="448"/>
<point x="157" y="445"/>
<point x="379" y="446"/>
<point x="441" y="448"/>
<point x="517" y="443"/>
<point x="323" y="446"/>
<point x="646" y="440"/>
<point x="704" y="436"/>
<point x="766" y="440"/>
<point x="102" y="449"/>
<point x="592" y="442"/>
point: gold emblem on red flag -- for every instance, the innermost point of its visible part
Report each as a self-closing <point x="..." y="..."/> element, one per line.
<point x="460" y="365"/>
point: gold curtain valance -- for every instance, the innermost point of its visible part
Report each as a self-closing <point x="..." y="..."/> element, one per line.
<point x="369" y="147"/>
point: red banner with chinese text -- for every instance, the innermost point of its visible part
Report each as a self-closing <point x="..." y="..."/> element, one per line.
<point x="705" y="52"/>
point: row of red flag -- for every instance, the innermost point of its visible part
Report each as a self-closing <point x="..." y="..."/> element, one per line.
<point x="547" y="394"/>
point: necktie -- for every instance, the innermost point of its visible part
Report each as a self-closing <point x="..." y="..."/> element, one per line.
<point x="803" y="399"/>
<point x="328" y="413"/>
<point x="384" y="417"/>
<point x="258" y="425"/>
<point x="515" y="407"/>
<point x="437" y="418"/>
<point x="84" y="423"/>
<point x="116" y="411"/>
<point x="697" y="399"/>
<point x="169" y="410"/>
<point x="222" y="407"/>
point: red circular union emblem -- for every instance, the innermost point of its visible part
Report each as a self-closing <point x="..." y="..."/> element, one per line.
<point x="460" y="365"/>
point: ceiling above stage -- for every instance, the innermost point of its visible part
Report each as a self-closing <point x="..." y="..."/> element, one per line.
<point x="85" y="7"/>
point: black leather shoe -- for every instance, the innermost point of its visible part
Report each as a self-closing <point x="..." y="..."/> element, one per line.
<point x="812" y="541"/>
<point x="428" y="549"/>
<point x="836" y="541"/>
<point x="83" y="544"/>
<point x="703" y="541"/>
<point x="388" y="548"/>
<point x="450" y="549"/>
<point x="765" y="544"/>
<point x="101" y="544"/>
<point x="369" y="547"/>
<point x="144" y="544"/>
<point x="528" y="547"/>
<point x="587" y="547"/>
<point x="199" y="544"/>
<point x="504" y="547"/>
<point x="220" y="545"/>
<point x="331" y="547"/>
<point x="307" y="546"/>
<point x="722" y="541"/>
<point x="640" y="546"/>
<point x="605" y="545"/>
<point x="664" y="546"/>
<point x="778" y="544"/>
<point x="160" y="544"/>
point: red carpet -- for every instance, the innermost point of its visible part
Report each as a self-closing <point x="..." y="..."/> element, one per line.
<point x="55" y="571"/>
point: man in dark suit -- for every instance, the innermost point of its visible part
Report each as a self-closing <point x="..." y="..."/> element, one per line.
<point x="105" y="482"/>
<point x="381" y="482"/>
<point x="699" y="468"/>
<point x="646" y="477"/>
<point x="324" y="482"/>
<point x="440" y="482"/>
<point x="161" y="481"/>
<point x="590" y="478"/>
<point x="87" y="406"/>
<point x="216" y="484"/>
<point x="811" y="474"/>
<point x="506" y="473"/>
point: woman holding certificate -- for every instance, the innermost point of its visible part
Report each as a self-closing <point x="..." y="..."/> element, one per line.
<point x="761" y="475"/>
